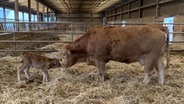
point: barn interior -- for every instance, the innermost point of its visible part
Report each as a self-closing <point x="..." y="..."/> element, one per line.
<point x="45" y="26"/>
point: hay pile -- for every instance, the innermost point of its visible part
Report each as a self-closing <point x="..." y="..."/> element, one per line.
<point x="79" y="84"/>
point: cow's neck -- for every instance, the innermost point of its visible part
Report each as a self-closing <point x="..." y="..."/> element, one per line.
<point x="79" y="46"/>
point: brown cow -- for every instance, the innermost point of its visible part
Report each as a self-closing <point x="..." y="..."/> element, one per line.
<point x="99" y="45"/>
<point x="37" y="61"/>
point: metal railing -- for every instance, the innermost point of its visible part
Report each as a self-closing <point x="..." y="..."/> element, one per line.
<point x="30" y="26"/>
<point x="11" y="32"/>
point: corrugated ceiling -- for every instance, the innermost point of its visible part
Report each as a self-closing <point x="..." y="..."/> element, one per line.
<point x="64" y="6"/>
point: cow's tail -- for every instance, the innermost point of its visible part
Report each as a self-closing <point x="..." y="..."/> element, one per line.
<point x="165" y="29"/>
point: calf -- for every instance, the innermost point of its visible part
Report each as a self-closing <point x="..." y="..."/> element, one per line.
<point x="37" y="61"/>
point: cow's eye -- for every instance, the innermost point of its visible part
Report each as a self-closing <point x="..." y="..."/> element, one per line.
<point x="64" y="55"/>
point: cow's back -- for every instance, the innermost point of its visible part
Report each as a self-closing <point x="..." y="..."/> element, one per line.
<point x="119" y="43"/>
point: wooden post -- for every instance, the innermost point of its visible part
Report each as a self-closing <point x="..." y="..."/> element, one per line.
<point x="23" y="19"/>
<point x="43" y="15"/>
<point x="129" y="15"/>
<point x="4" y="12"/>
<point x="16" y="15"/>
<point x="29" y="13"/>
<point x="47" y="14"/>
<point x="157" y="8"/>
<point x="37" y="11"/>
<point x="51" y="16"/>
<point x="140" y="11"/>
<point x="4" y="16"/>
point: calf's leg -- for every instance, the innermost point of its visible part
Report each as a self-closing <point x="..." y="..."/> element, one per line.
<point x="26" y="71"/>
<point x="20" y="69"/>
<point x="45" y="75"/>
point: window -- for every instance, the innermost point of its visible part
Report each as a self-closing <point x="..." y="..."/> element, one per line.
<point x="1" y="13"/>
<point x="123" y="23"/>
<point x="169" y="20"/>
<point x="10" y="15"/>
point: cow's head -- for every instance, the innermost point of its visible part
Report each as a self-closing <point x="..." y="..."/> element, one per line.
<point x="67" y="57"/>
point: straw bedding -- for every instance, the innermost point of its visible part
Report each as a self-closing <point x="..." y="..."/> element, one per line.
<point x="79" y="84"/>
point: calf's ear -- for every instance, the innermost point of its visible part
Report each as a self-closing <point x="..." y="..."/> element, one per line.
<point x="68" y="52"/>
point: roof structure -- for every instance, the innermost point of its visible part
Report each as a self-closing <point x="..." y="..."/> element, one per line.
<point x="64" y="6"/>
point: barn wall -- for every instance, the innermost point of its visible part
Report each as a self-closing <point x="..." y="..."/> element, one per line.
<point x="145" y="8"/>
<point x="178" y="28"/>
<point x="80" y="17"/>
<point x="148" y="11"/>
<point x="172" y="8"/>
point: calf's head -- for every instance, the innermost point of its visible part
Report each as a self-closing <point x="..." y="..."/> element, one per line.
<point x="54" y="63"/>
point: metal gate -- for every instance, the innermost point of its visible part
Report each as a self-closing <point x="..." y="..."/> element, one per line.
<point x="16" y="34"/>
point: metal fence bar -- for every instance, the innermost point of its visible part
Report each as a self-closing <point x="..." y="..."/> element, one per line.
<point x="144" y="23"/>
<point x="51" y="32"/>
<point x="176" y="50"/>
<point x="28" y="50"/>
<point x="176" y="41"/>
<point x="57" y="50"/>
<point x="14" y="38"/>
<point x="61" y="28"/>
<point x="35" y="41"/>
<point x="45" y="41"/>
<point x="24" y="27"/>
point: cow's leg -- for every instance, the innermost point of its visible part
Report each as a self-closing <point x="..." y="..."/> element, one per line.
<point x="149" y="65"/>
<point x="101" y="69"/>
<point x="45" y="75"/>
<point x="26" y="71"/>
<point x="160" y="69"/>
<point x="141" y="61"/>
<point x="147" y="77"/>
<point x="19" y="71"/>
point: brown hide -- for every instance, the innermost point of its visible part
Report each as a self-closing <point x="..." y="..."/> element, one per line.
<point x="37" y="61"/>
<point x="40" y="61"/>
<point x="130" y="44"/>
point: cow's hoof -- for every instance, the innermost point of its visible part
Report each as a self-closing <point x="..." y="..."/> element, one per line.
<point x="161" y="82"/>
<point x="146" y="81"/>
<point x="29" y="81"/>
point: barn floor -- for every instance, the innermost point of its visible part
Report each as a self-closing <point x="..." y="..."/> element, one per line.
<point x="79" y="84"/>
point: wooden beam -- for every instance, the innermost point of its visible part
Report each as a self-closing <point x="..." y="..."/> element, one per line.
<point x="23" y="19"/>
<point x="16" y="11"/>
<point x="29" y="10"/>
<point x="43" y="13"/>
<point x="4" y="12"/>
<point x="157" y="8"/>
<point x="29" y="13"/>
<point x="37" y="11"/>
<point x="47" y="14"/>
